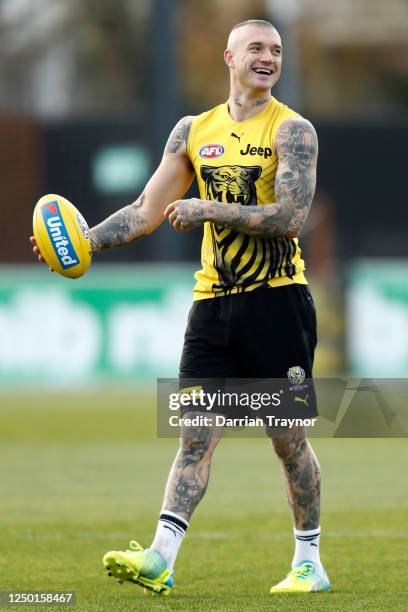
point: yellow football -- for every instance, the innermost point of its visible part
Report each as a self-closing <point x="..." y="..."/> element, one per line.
<point x="62" y="235"/>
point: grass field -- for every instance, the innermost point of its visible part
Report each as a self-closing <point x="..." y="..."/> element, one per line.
<point x="82" y="474"/>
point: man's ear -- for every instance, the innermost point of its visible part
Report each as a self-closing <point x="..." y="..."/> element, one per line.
<point x="229" y="58"/>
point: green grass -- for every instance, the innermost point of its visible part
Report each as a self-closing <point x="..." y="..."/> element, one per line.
<point x="82" y="474"/>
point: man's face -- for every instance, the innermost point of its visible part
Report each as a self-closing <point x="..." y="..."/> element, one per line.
<point x="254" y="56"/>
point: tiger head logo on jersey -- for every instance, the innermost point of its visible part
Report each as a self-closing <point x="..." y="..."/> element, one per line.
<point x="231" y="184"/>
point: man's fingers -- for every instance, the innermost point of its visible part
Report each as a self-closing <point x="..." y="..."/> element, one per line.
<point x="173" y="217"/>
<point x="169" y="209"/>
<point x="175" y="222"/>
<point x="173" y="213"/>
<point x="37" y="252"/>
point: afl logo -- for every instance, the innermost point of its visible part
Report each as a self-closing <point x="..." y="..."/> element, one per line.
<point x="211" y="151"/>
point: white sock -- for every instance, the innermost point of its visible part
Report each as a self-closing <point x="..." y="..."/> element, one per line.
<point x="307" y="546"/>
<point x="170" y="533"/>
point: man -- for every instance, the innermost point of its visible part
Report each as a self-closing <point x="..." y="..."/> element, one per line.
<point x="253" y="316"/>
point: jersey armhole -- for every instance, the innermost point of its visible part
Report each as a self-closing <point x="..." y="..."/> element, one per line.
<point x="190" y="139"/>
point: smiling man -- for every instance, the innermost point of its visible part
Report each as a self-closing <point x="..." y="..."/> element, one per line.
<point x="253" y="315"/>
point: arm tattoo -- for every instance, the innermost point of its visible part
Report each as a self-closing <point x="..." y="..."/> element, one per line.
<point x="125" y="226"/>
<point x="296" y="144"/>
<point x="179" y="136"/>
<point x="295" y="182"/>
<point x="302" y="474"/>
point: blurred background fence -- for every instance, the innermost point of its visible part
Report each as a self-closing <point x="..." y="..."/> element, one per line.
<point x="89" y="91"/>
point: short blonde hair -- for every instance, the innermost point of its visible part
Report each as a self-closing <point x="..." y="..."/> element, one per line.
<point x="258" y="22"/>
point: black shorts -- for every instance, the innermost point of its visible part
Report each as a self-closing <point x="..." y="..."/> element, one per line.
<point x="259" y="334"/>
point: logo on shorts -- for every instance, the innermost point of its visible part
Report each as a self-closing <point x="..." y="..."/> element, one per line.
<point x="303" y="400"/>
<point x="211" y="151"/>
<point x="296" y="375"/>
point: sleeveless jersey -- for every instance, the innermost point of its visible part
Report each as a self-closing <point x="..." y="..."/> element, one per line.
<point x="235" y="163"/>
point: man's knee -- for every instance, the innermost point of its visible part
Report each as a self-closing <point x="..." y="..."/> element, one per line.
<point x="290" y="445"/>
<point x="199" y="441"/>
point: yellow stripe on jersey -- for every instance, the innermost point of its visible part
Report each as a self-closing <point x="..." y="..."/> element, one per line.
<point x="236" y="163"/>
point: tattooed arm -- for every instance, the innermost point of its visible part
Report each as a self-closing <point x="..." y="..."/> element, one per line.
<point x="170" y="181"/>
<point x="296" y="146"/>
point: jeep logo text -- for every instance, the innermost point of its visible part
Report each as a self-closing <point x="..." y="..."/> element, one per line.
<point x="264" y="151"/>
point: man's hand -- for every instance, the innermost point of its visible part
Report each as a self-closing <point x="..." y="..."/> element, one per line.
<point x="185" y="215"/>
<point x="37" y="252"/>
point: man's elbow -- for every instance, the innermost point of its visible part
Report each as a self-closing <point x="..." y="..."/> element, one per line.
<point x="286" y="221"/>
<point x="292" y="229"/>
<point x="293" y="232"/>
<point x="295" y="225"/>
<point x="150" y="224"/>
<point x="279" y="232"/>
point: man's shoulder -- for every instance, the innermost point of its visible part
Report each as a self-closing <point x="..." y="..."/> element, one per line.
<point x="288" y="119"/>
<point x="297" y="123"/>
<point x="185" y="123"/>
<point x="209" y="114"/>
<point x="180" y="137"/>
<point x="177" y="141"/>
<point x="296" y="137"/>
<point x="288" y="114"/>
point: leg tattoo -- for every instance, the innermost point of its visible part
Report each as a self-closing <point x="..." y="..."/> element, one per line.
<point x="189" y="475"/>
<point x="302" y="475"/>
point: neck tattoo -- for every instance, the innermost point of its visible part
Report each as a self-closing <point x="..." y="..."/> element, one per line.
<point x="238" y="102"/>
<point x="259" y="103"/>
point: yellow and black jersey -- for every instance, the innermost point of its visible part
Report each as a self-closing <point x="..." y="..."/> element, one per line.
<point x="236" y="162"/>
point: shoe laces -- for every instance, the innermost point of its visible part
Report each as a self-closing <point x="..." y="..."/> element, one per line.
<point x="303" y="571"/>
<point x="134" y="546"/>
